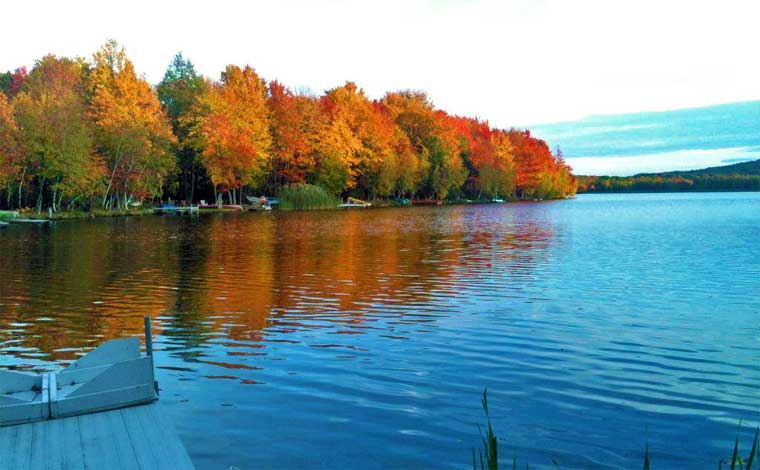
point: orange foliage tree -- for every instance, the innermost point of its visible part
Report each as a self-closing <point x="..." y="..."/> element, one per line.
<point x="233" y="131"/>
<point x="294" y="119"/>
<point x="9" y="151"/>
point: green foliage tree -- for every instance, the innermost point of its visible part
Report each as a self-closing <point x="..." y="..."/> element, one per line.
<point x="179" y="92"/>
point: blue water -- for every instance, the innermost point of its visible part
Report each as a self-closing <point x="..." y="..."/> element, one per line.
<point x="364" y="339"/>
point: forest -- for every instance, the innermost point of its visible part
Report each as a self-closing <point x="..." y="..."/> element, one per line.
<point x="744" y="176"/>
<point x="79" y="134"/>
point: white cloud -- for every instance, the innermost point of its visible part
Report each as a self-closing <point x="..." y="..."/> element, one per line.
<point x="658" y="162"/>
<point x="511" y="62"/>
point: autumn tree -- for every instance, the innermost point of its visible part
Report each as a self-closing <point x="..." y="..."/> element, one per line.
<point x="133" y="132"/>
<point x="293" y="124"/>
<point x="233" y="131"/>
<point x="51" y="111"/>
<point x="9" y="149"/>
<point x="179" y="92"/>
<point x="352" y="142"/>
<point x="496" y="175"/>
<point x="11" y="82"/>
<point x="433" y="136"/>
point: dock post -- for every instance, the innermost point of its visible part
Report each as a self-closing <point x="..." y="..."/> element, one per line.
<point x="148" y="337"/>
<point x="149" y="348"/>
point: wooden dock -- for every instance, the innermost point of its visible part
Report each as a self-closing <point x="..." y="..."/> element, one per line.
<point x="137" y="437"/>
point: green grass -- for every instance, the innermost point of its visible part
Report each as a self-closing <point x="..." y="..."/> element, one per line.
<point x="306" y="197"/>
<point x="487" y="458"/>
<point x="489" y="455"/>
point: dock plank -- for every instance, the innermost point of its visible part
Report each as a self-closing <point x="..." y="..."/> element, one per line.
<point x="73" y="456"/>
<point x="39" y="451"/>
<point x="134" y="438"/>
<point x="7" y="444"/>
<point x="23" y="451"/>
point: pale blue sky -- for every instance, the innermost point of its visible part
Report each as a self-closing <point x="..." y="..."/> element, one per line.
<point x="514" y="63"/>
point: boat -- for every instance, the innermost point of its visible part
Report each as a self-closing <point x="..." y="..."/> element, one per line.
<point x="259" y="203"/>
<point x="228" y="207"/>
<point x="28" y="221"/>
<point x="172" y="209"/>
<point x="497" y="200"/>
<point x="114" y="375"/>
<point x="354" y="202"/>
<point x="3" y="224"/>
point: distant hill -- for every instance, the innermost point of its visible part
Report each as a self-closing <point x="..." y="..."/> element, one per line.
<point x="744" y="176"/>
<point x="743" y="168"/>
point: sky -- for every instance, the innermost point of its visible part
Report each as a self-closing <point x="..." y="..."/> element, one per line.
<point x="511" y="62"/>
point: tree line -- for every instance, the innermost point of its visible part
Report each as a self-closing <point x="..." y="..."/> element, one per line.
<point x="83" y="134"/>
<point x="631" y="184"/>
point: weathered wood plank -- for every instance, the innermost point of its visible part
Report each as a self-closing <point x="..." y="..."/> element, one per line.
<point x="134" y="438"/>
<point x="174" y="448"/>
<point x="7" y="445"/>
<point x="72" y="443"/>
<point x="39" y="451"/>
<point x="113" y="424"/>
<point x="97" y="452"/>
<point x="56" y="453"/>
<point x="144" y="448"/>
<point x="23" y="448"/>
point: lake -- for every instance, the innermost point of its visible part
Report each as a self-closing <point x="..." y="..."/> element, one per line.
<point x="364" y="339"/>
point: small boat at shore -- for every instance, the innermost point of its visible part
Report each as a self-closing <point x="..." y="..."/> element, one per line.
<point x="354" y="202"/>
<point x="229" y="207"/>
<point x="28" y="221"/>
<point x="3" y="224"/>
<point x="172" y="209"/>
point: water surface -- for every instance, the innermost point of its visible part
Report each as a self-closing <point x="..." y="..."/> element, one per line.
<point x="363" y="339"/>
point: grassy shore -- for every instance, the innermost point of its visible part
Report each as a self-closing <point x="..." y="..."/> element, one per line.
<point x="305" y="197"/>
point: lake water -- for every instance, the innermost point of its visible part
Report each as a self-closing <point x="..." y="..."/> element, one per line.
<point x="363" y="339"/>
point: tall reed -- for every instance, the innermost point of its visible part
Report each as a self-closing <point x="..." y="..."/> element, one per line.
<point x="488" y="457"/>
<point x="306" y="197"/>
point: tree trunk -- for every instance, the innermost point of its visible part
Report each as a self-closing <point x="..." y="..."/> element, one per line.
<point x="192" y="186"/>
<point x="39" y="196"/>
<point x="21" y="186"/>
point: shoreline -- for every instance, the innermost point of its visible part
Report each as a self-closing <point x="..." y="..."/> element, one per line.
<point x="103" y="213"/>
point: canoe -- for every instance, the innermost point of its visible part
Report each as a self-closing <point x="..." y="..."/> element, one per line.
<point x="114" y="375"/>
<point x="231" y="207"/>
<point x="28" y="221"/>
<point x="172" y="209"/>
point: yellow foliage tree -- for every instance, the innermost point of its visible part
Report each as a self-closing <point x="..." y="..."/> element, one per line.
<point x="133" y="132"/>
